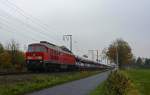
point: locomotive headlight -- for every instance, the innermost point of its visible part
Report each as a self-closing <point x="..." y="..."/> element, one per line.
<point x="39" y="57"/>
<point x="29" y="57"/>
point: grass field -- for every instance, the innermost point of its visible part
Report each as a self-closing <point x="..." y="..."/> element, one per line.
<point x="21" y="84"/>
<point x="141" y="79"/>
<point x="99" y="90"/>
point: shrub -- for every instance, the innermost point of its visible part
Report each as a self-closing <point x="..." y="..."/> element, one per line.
<point x="11" y="58"/>
<point x="117" y="84"/>
<point x="5" y="60"/>
<point x="17" y="56"/>
<point x="20" y="60"/>
<point x="1" y="48"/>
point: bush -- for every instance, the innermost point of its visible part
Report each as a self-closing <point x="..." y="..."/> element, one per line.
<point x="20" y="61"/>
<point x="11" y="58"/>
<point x="117" y="84"/>
<point x="17" y="56"/>
<point x="1" y="48"/>
<point x="5" y="60"/>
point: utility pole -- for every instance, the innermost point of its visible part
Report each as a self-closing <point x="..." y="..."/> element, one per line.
<point x="70" y="38"/>
<point x="97" y="55"/>
<point x="117" y="56"/>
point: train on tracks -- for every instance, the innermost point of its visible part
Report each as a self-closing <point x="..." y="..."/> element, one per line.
<point x="45" y="56"/>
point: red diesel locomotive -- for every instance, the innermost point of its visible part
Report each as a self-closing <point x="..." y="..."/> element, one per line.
<point x="47" y="56"/>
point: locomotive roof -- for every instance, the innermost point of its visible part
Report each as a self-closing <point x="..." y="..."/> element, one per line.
<point x="53" y="46"/>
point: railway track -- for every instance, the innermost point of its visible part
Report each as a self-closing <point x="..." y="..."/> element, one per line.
<point x="24" y="73"/>
<point x="14" y="73"/>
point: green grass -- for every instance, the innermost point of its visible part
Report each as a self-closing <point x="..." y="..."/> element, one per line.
<point x="19" y="85"/>
<point x="141" y="79"/>
<point x="99" y="90"/>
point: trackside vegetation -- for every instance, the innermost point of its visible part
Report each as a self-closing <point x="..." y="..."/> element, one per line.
<point x="11" y="58"/>
<point x="19" y="85"/>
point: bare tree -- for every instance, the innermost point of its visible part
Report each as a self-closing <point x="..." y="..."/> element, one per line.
<point x="13" y="48"/>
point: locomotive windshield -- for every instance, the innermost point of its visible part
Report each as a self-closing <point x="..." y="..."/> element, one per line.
<point x="36" y="48"/>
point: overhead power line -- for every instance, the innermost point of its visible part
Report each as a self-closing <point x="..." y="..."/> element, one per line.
<point x="21" y="12"/>
<point x="6" y="19"/>
<point x="11" y="30"/>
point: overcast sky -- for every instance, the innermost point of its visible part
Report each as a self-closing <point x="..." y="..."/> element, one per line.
<point x="94" y="24"/>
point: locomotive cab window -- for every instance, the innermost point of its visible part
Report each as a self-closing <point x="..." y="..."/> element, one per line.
<point x="30" y="49"/>
<point x="37" y="48"/>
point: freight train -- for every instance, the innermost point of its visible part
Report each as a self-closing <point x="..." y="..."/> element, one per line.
<point x="45" y="56"/>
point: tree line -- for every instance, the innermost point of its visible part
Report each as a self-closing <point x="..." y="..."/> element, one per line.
<point x="141" y="62"/>
<point x="11" y="57"/>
